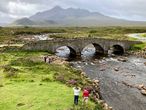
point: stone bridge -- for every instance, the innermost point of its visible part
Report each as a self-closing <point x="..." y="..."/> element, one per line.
<point x="76" y="45"/>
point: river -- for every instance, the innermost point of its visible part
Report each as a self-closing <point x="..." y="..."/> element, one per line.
<point x="113" y="90"/>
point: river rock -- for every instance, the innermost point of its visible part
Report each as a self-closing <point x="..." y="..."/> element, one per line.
<point x="97" y="95"/>
<point x="122" y="59"/>
<point x="116" y="69"/>
<point x="92" y="64"/>
<point x="110" y="108"/>
<point x="140" y="86"/>
<point x="96" y="81"/>
<point x="101" y="102"/>
<point x="83" y="74"/>
<point x="79" y="62"/>
<point x="143" y="92"/>
<point x="106" y="106"/>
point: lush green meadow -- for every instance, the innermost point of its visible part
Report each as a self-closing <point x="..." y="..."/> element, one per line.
<point x="27" y="83"/>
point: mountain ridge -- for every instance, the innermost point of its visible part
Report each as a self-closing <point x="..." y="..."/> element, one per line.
<point x="59" y="16"/>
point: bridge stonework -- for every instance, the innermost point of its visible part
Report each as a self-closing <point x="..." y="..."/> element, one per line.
<point x="77" y="44"/>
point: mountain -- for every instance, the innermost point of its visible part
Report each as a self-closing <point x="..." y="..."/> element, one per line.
<point x="58" y="16"/>
<point x="24" y="21"/>
<point x="29" y="22"/>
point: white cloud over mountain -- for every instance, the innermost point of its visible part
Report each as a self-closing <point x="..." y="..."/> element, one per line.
<point x="127" y="9"/>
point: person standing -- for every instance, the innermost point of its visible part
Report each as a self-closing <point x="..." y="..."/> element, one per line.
<point x="76" y="94"/>
<point x="45" y="59"/>
<point x="85" y="95"/>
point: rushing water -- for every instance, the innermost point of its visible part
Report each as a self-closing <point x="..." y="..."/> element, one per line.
<point x="113" y="90"/>
<point x="42" y="37"/>
<point x="138" y="36"/>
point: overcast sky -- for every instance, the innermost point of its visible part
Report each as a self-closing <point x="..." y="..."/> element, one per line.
<point x="126" y="9"/>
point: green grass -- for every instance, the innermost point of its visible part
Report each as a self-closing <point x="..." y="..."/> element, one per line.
<point x="132" y="39"/>
<point x="138" y="46"/>
<point x="143" y="35"/>
<point x="27" y="83"/>
<point x="48" y="96"/>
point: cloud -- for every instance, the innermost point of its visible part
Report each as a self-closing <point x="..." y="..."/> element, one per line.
<point x="127" y="9"/>
<point x="4" y="18"/>
<point x="21" y="9"/>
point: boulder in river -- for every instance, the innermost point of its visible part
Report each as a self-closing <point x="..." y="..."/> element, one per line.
<point x="140" y="87"/>
<point x="143" y="92"/>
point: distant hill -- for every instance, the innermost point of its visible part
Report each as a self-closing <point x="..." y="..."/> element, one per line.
<point x="24" y="21"/>
<point x="29" y="22"/>
<point x="58" y="16"/>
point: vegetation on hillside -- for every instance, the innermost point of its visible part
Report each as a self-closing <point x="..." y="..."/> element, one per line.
<point x="12" y="34"/>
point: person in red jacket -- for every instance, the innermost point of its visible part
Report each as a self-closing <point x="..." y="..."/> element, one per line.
<point x="85" y="95"/>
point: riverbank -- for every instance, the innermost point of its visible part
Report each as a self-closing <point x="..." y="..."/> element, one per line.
<point x="27" y="82"/>
<point x="117" y="80"/>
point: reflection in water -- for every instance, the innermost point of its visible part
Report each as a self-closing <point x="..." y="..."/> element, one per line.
<point x="63" y="52"/>
<point x="88" y="53"/>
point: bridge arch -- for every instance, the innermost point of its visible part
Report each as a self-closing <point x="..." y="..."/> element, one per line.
<point x="65" y="51"/>
<point x="98" y="48"/>
<point x="118" y="49"/>
<point x="92" y="49"/>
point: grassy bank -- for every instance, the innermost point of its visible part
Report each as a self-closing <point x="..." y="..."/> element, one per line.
<point x="27" y="83"/>
<point x="138" y="46"/>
